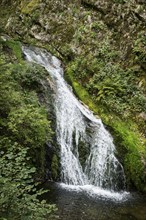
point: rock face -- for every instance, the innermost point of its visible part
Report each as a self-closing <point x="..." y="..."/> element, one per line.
<point x="65" y="27"/>
<point x="103" y="47"/>
<point x="57" y="22"/>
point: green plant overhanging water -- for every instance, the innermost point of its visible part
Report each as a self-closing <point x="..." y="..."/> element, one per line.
<point x="24" y="128"/>
<point x="19" y="195"/>
<point x="25" y="120"/>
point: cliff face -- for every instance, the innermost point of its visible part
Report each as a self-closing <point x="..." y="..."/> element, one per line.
<point x="77" y="28"/>
<point x="57" y="22"/>
<point x="103" y="47"/>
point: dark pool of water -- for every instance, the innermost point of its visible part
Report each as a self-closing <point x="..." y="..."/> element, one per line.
<point x="74" y="205"/>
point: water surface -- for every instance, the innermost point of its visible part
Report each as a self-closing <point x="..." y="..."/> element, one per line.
<point x="77" y="205"/>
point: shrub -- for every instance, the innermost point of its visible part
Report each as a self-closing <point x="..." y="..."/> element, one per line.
<point x="19" y="195"/>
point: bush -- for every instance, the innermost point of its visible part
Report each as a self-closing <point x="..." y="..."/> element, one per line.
<point x="19" y="195"/>
<point x="24" y="130"/>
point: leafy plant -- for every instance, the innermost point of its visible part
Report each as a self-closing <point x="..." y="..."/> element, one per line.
<point x="19" y="195"/>
<point x="24" y="130"/>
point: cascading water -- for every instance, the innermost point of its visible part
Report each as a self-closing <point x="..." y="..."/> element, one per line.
<point x="75" y="124"/>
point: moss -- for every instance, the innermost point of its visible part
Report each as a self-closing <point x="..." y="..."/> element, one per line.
<point x="27" y="8"/>
<point x="131" y="145"/>
<point x="15" y="46"/>
<point x="132" y="149"/>
<point x="54" y="167"/>
<point x="135" y="168"/>
<point x="81" y="92"/>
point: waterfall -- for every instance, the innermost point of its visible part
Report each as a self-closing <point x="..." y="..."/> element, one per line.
<point x="76" y="124"/>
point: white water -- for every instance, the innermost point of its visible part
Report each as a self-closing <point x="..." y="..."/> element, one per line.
<point x="97" y="192"/>
<point x="76" y="124"/>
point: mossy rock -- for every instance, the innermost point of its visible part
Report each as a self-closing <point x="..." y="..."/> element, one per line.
<point x="14" y="47"/>
<point x="55" y="167"/>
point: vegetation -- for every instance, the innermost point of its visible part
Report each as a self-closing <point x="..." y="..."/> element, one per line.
<point x="19" y="195"/>
<point x="24" y="129"/>
<point x="110" y="85"/>
<point x="15" y="47"/>
<point x="131" y="145"/>
<point x="28" y="7"/>
<point x="103" y="48"/>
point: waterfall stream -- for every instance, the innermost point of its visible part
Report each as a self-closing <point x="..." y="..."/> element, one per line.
<point x="76" y="124"/>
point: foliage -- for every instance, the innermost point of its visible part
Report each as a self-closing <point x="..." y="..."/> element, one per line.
<point x="22" y="117"/>
<point x="130" y="144"/>
<point x="29" y="125"/>
<point x="28" y="75"/>
<point x="16" y="48"/>
<point x="108" y="83"/>
<point x="107" y="53"/>
<point x="24" y="130"/>
<point x="139" y="49"/>
<point x="19" y="195"/>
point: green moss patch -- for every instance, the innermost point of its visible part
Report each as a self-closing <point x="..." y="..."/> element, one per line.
<point x="27" y="8"/>
<point x="131" y="146"/>
<point x="13" y="46"/>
